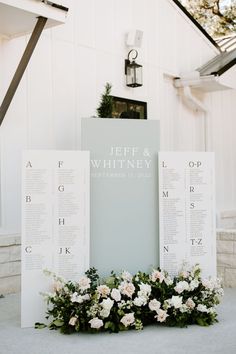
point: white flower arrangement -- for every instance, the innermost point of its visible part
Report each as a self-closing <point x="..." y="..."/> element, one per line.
<point x="125" y="301"/>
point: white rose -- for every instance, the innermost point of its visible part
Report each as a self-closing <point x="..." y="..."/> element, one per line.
<point x="107" y="304"/>
<point x="209" y="284"/>
<point x="96" y="323"/>
<point x="103" y="290"/>
<point x="140" y="301"/>
<point x="126" y="276"/>
<point x="145" y="289"/>
<point x="168" y="281"/>
<point x="115" y="294"/>
<point x="190" y="303"/>
<point x="154" y="305"/>
<point x="75" y="297"/>
<point x="202" y="308"/>
<point x="57" y="286"/>
<point x="128" y="319"/>
<point x="211" y="310"/>
<point x="184" y="274"/>
<point x="184" y="308"/>
<point x="156" y="275"/>
<point x="104" y="313"/>
<point x="161" y="315"/>
<point x="181" y="286"/>
<point x="84" y="283"/>
<point x="73" y="321"/>
<point x="176" y="301"/>
<point x="86" y="297"/>
<point x="193" y="284"/>
<point x="127" y="288"/>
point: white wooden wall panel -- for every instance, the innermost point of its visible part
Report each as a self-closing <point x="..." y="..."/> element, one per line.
<point x="85" y="82"/>
<point x="39" y="87"/>
<point x="67" y="74"/>
<point x="104" y="25"/>
<point x="123" y="23"/>
<point x="167" y="37"/>
<point x="64" y="94"/>
<point x="84" y="22"/>
<point x="66" y="31"/>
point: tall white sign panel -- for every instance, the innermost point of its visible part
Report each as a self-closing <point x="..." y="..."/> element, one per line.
<point x="187" y="211"/>
<point x="124" y="189"/>
<point x="55" y="224"/>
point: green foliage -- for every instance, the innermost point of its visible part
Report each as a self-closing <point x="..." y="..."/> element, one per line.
<point x="123" y="302"/>
<point x="105" y="108"/>
<point x="217" y="17"/>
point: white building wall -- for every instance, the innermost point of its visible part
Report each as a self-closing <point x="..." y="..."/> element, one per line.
<point x="67" y="74"/>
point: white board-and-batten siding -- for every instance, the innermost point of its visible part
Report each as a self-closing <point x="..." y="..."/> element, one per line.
<point x="67" y="73"/>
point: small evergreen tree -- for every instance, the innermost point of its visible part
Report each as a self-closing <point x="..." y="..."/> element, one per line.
<point x="105" y="108"/>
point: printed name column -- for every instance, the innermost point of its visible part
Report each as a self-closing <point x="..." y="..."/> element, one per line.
<point x="171" y="213"/>
<point x="55" y="224"/>
<point x="37" y="234"/>
<point x="187" y="211"/>
<point x="71" y="224"/>
<point x="201" y="216"/>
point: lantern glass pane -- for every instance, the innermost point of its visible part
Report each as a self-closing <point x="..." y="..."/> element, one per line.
<point x="134" y="75"/>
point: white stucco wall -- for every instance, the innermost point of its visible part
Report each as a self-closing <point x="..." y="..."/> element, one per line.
<point x="70" y="67"/>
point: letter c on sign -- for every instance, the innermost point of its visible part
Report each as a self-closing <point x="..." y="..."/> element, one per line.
<point x="28" y="249"/>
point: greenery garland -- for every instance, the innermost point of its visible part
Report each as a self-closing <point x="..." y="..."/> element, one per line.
<point x="122" y="302"/>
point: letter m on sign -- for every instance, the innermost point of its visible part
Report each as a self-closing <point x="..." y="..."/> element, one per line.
<point x="165" y="194"/>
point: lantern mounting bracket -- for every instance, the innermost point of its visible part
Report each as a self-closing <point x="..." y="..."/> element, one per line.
<point x="128" y="61"/>
<point x="133" y="70"/>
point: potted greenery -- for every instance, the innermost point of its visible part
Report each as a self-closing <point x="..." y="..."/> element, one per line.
<point x="104" y="109"/>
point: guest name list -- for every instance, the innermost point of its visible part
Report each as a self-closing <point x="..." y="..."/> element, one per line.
<point x="187" y="211"/>
<point x="55" y="223"/>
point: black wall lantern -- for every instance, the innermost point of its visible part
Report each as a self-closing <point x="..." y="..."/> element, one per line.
<point x="133" y="71"/>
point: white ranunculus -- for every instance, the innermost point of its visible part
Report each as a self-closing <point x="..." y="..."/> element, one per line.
<point x="157" y="275"/>
<point x="75" y="297"/>
<point x="154" y="305"/>
<point x="128" y="319"/>
<point x="96" y="323"/>
<point x="73" y="321"/>
<point x="140" y="301"/>
<point x="127" y="288"/>
<point x="202" y="308"/>
<point x="126" y="276"/>
<point x="115" y="294"/>
<point x="176" y="301"/>
<point x="84" y="283"/>
<point x="107" y="304"/>
<point x="190" y="303"/>
<point x="161" y="315"/>
<point x="181" y="286"/>
<point x="103" y="290"/>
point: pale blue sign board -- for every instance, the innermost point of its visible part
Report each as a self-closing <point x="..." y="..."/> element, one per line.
<point x="124" y="193"/>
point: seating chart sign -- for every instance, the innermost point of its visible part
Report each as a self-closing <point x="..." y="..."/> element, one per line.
<point x="55" y="224"/>
<point x="124" y="193"/>
<point x="187" y="211"/>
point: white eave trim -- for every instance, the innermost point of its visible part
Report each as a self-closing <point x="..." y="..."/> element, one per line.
<point x="208" y="83"/>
